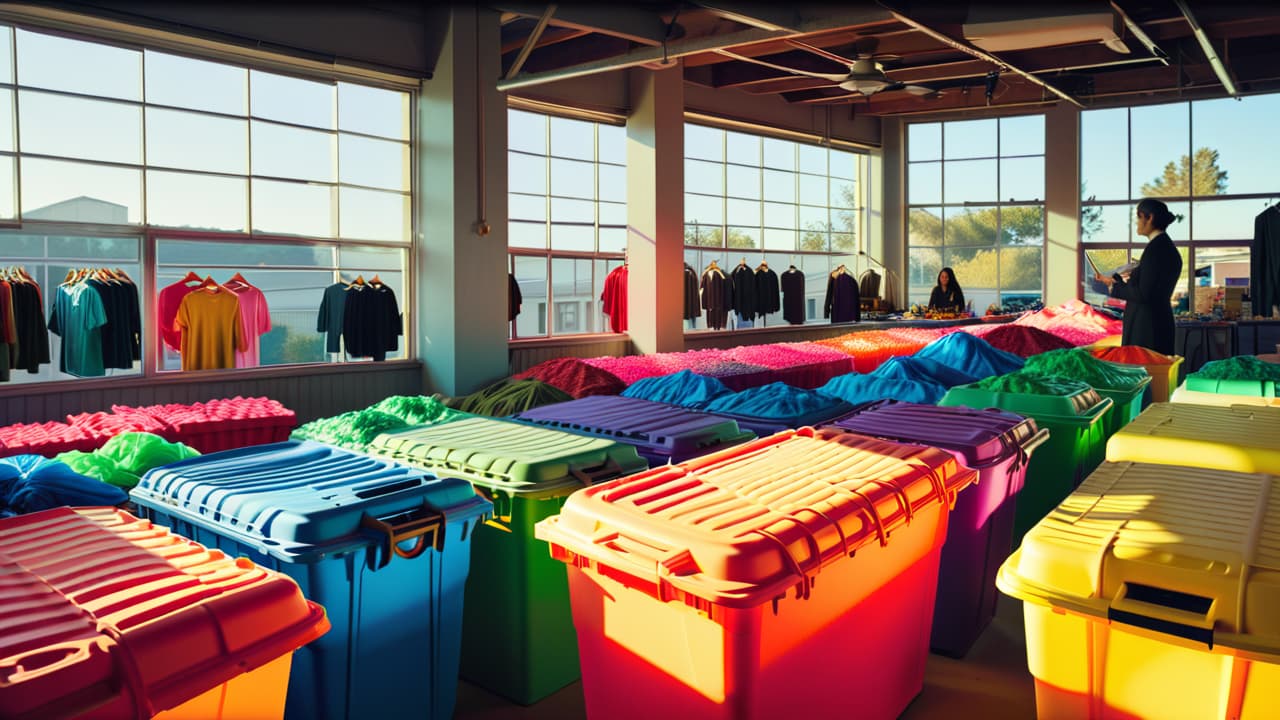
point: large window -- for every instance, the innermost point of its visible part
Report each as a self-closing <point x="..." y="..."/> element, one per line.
<point x="975" y="197"/>
<point x="1204" y="160"/>
<point x="295" y="182"/>
<point x="567" y="192"/>
<point x="750" y="198"/>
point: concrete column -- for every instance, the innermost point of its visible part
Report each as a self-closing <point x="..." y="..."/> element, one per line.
<point x="1062" y="204"/>
<point x="655" y="211"/>
<point x="461" y="245"/>
<point x="893" y="162"/>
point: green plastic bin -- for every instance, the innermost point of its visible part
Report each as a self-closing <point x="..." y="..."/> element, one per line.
<point x="1076" y="444"/>
<point x="517" y="627"/>
<point x="1125" y="385"/>
<point x="1252" y="387"/>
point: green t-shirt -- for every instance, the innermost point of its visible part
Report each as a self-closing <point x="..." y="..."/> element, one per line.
<point x="78" y="316"/>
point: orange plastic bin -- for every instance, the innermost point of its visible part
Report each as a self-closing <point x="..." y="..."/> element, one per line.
<point x="107" y="616"/>
<point x="792" y="576"/>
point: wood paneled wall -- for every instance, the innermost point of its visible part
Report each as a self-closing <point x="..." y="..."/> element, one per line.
<point x="524" y="357"/>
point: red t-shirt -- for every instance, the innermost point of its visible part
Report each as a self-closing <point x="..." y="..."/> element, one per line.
<point x="167" y="306"/>
<point x="615" y="299"/>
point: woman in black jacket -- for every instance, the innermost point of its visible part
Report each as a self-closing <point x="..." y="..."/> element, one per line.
<point x="1148" y="315"/>
<point x="947" y="295"/>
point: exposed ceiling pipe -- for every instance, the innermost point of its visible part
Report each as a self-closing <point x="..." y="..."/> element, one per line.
<point x="532" y="41"/>
<point x="982" y="55"/>
<point x="1215" y="62"/>
<point x="1142" y="36"/>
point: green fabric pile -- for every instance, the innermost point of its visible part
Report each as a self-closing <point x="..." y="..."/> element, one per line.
<point x="508" y="397"/>
<point x="1241" y="367"/>
<point x="1080" y="364"/>
<point x="353" y="430"/>
<point x="1031" y="383"/>
<point x="125" y="458"/>
<point x="417" y="409"/>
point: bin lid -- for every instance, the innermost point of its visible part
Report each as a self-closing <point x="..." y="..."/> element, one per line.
<point x="105" y="612"/>
<point x="636" y="422"/>
<point x="1078" y="403"/>
<point x="509" y="456"/>
<point x="1253" y="387"/>
<point x="297" y="499"/>
<point x="982" y="437"/>
<point x="1187" y="552"/>
<point x="742" y="526"/>
<point x="1242" y="438"/>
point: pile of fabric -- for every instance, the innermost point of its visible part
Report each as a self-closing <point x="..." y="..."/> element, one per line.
<point x="352" y="430"/>
<point x="508" y="397"/>
<point x="124" y="458"/>
<point x="970" y="355"/>
<point x="685" y="388"/>
<point x="574" y="377"/>
<point x="1024" y="341"/>
<point x="31" y="483"/>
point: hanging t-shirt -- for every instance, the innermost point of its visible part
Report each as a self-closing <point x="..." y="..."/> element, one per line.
<point x="78" y="316"/>
<point x="333" y="306"/>
<point x="33" y="339"/>
<point x="792" y="282"/>
<point x="209" y="322"/>
<point x="120" y="341"/>
<point x="372" y="323"/>
<point x="8" y="331"/>
<point x="255" y="321"/>
<point x="167" y="311"/>
<point x="615" y="299"/>
<point x="514" y="298"/>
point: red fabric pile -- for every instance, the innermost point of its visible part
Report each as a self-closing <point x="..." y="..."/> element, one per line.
<point x="220" y="424"/>
<point x="104" y="426"/>
<point x="1131" y="355"/>
<point x="1024" y="341"/>
<point x="47" y="438"/>
<point x="575" y="377"/>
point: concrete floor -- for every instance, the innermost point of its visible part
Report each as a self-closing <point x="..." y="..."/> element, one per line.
<point x="991" y="682"/>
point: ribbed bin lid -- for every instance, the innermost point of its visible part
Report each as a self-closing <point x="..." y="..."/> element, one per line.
<point x="742" y="526"/>
<point x="510" y="456"/>
<point x="1232" y="386"/>
<point x="293" y="499"/>
<point x="1187" y="552"/>
<point x="107" y="613"/>
<point x="1241" y="437"/>
<point x="983" y="437"/>
<point x="636" y="421"/>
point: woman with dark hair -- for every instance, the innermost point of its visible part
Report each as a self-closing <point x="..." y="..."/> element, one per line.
<point x="1148" y="315"/>
<point x="947" y="295"/>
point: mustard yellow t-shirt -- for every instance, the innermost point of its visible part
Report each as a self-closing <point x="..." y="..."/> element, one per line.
<point x="209" y="320"/>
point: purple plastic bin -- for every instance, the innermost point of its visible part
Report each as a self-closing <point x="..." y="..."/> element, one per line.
<point x="998" y="445"/>
<point x="661" y="433"/>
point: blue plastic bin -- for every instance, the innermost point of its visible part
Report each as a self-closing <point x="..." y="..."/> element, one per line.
<point x="383" y="547"/>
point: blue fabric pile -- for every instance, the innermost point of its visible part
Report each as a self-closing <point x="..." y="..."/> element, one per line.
<point x="925" y="370"/>
<point x="858" y="389"/>
<point x="31" y="483"/>
<point x="779" y="401"/>
<point x="685" y="388"/>
<point x="970" y="355"/>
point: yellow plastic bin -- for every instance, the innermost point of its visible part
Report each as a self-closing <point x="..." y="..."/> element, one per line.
<point x="1241" y="438"/>
<point x="1220" y="399"/>
<point x="1152" y="592"/>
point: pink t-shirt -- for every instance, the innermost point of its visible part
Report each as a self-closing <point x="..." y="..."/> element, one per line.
<point x="255" y="320"/>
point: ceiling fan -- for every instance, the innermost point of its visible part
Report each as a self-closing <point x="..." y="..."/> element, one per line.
<point x="865" y="75"/>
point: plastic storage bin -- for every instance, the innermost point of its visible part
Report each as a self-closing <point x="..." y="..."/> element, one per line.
<point x="694" y="587"/>
<point x="383" y="547"/>
<point x="109" y="616"/>
<point x="1222" y="398"/>
<point x="517" y="632"/>
<point x="1076" y="444"/>
<point x="660" y="433"/>
<point x="1151" y="593"/>
<point x="1164" y="376"/>
<point x="1242" y="438"/>
<point x="1126" y="385"/>
<point x="980" y="530"/>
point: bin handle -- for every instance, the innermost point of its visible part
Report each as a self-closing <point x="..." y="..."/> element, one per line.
<point x="1159" y="609"/>
<point x="415" y="524"/>
<point x="604" y="471"/>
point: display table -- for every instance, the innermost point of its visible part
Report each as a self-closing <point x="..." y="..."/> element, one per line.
<point x="1200" y="342"/>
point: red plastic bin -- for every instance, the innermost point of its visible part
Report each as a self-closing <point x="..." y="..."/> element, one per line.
<point x="107" y="616"/>
<point x="693" y="585"/>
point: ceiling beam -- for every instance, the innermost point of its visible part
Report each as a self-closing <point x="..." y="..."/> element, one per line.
<point x="1140" y="34"/>
<point x="983" y="55"/>
<point x="532" y="41"/>
<point x="691" y="46"/>
<point x="592" y="47"/>
<point x="1256" y="26"/>
<point x="619" y="20"/>
<point x="1219" y="69"/>
<point x="550" y="36"/>
<point x="763" y="17"/>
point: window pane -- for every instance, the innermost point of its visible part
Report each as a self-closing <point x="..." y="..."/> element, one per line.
<point x="1022" y="135"/>
<point x="970" y="181"/>
<point x="924" y="183"/>
<point x="1230" y="127"/>
<point x="8" y="191"/>
<point x="527" y="131"/>
<point x="572" y="139"/>
<point x="613" y="214"/>
<point x="969" y="139"/>
<point x="781" y="155"/>
<point x="572" y="293"/>
<point x="197" y="202"/>
<point x="613" y="239"/>
<point x="779" y="186"/>
<point x="6" y="54"/>
<point x="844" y="164"/>
<point x="703" y="177"/>
<point x="780" y="215"/>
<point x="924" y="141"/>
<point x="531" y="275"/>
<point x="373" y="111"/>
<point x="373" y="215"/>
<point x="573" y="178"/>
<point x="743" y="182"/>
<point x="844" y="242"/>
<point x="975" y="270"/>
<point x="969" y="227"/>
<point x="527" y="235"/>
<point x="80" y="128"/>
<point x="813" y="189"/>
<point x="196" y="84"/>
<point x="815" y="238"/>
<point x="365" y="257"/>
<point x="813" y="159"/>
<point x="743" y="212"/>
<point x="223" y="145"/>
<point x="1106" y="223"/>
<point x="813" y="218"/>
<point x="7" y="142"/>
<point x="613" y="183"/>
<point x="1022" y="225"/>
<point x="291" y="100"/>
<point x="923" y="266"/>
<point x="845" y="221"/>
<point x="581" y="238"/>
<point x="703" y="235"/>
<point x="200" y="253"/>
<point x="61" y="190"/>
<point x="1223" y="219"/>
<point x="375" y="163"/>
<point x="289" y="152"/>
<point x="526" y="174"/>
<point x="703" y="209"/>
<point x="743" y="149"/>
<point x="743" y="237"/>
<point x="1222" y="267"/>
<point x="1022" y="179"/>
<point x="288" y="208"/>
<point x="574" y="211"/>
<point x="91" y="68"/>
<point x="924" y="227"/>
<point x="526" y="207"/>
<point x="703" y="142"/>
<point x="844" y="193"/>
<point x="1104" y="152"/>
<point x="1021" y="271"/>
<point x="123" y="249"/>
<point x="779" y="239"/>
<point x="612" y="141"/>
<point x="1160" y="159"/>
